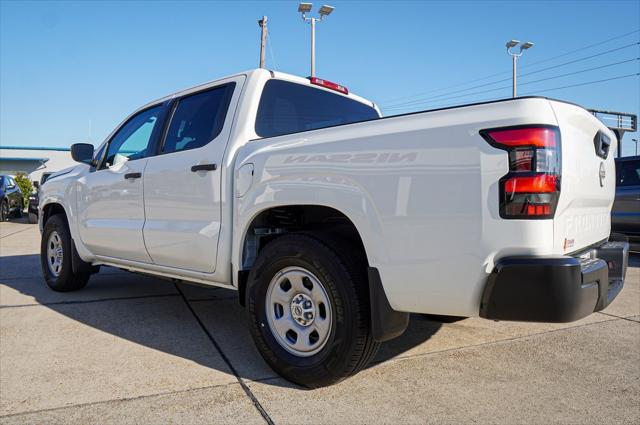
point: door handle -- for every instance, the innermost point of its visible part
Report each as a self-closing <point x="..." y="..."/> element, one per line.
<point x="132" y="176"/>
<point x="204" y="167"/>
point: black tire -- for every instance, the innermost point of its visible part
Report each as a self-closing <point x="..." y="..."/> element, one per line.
<point x="350" y="345"/>
<point x="19" y="210"/>
<point x="66" y="280"/>
<point x="33" y="218"/>
<point x="4" y="210"/>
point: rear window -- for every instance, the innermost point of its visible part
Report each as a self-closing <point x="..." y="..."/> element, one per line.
<point x="198" y="119"/>
<point x="628" y="173"/>
<point x="290" y="108"/>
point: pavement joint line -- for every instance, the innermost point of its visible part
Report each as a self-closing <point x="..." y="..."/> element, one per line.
<point x="125" y="399"/>
<point x="16" y="232"/>
<point x="243" y="385"/>
<point x="116" y="400"/>
<point x="136" y="297"/>
<point x="20" y="277"/>
<point x="483" y="344"/>
<point x="629" y="318"/>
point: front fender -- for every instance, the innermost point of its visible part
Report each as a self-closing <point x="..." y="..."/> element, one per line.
<point x="61" y="189"/>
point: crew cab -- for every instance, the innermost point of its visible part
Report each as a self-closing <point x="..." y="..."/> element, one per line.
<point x="333" y="224"/>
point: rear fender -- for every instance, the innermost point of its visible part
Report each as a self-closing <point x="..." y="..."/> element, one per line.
<point x="341" y="194"/>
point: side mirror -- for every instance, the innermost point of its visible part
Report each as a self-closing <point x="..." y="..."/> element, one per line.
<point x="82" y="152"/>
<point x="36" y="184"/>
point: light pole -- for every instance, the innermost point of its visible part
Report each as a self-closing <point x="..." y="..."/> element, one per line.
<point x="514" y="57"/>
<point x="324" y="11"/>
<point x="636" y="142"/>
<point x="263" y="39"/>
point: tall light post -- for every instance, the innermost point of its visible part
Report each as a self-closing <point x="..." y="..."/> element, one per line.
<point x="636" y="142"/>
<point x="263" y="39"/>
<point x="324" y="11"/>
<point x="514" y="57"/>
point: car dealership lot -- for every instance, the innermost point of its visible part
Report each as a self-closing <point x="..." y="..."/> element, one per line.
<point x="136" y="349"/>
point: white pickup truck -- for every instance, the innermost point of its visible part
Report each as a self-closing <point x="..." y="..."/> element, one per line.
<point x="334" y="223"/>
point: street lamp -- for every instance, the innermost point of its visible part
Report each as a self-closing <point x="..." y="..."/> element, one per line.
<point x="324" y="11"/>
<point x="514" y="56"/>
<point x="636" y="142"/>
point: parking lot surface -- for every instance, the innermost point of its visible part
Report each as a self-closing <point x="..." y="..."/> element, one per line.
<point x="136" y="349"/>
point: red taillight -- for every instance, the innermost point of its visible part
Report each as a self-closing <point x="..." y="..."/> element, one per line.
<point x="329" y="85"/>
<point x="529" y="136"/>
<point x="542" y="183"/>
<point x="532" y="187"/>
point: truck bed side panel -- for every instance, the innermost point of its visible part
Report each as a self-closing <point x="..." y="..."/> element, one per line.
<point x="422" y="190"/>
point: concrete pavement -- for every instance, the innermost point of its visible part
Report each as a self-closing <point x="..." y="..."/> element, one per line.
<point x="136" y="349"/>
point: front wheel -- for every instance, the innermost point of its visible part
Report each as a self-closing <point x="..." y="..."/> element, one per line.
<point x="4" y="210"/>
<point x="308" y="310"/>
<point x="55" y="257"/>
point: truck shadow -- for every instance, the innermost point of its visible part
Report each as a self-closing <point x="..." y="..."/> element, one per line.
<point x="153" y="313"/>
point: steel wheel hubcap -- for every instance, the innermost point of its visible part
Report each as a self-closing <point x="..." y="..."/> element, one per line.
<point x="55" y="253"/>
<point x="298" y="311"/>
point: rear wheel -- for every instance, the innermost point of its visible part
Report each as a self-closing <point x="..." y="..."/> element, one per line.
<point x="56" y="251"/>
<point x="308" y="310"/>
<point x="4" y="210"/>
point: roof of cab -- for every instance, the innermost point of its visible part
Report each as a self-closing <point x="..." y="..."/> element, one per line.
<point x="274" y="74"/>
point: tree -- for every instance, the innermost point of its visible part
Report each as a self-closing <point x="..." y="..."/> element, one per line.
<point x="24" y="182"/>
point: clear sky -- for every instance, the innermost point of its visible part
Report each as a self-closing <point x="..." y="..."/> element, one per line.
<point x="71" y="71"/>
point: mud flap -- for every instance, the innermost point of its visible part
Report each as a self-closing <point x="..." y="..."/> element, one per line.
<point x="386" y="323"/>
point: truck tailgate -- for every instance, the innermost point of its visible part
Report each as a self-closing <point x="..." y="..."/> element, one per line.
<point x="583" y="215"/>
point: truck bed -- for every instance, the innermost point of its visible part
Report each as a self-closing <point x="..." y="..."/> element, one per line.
<point x="422" y="189"/>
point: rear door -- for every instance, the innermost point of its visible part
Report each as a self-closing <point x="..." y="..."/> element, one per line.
<point x="182" y="184"/>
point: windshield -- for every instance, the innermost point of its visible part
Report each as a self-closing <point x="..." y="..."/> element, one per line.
<point x="287" y="108"/>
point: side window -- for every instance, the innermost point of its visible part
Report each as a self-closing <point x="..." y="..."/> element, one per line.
<point x="198" y="119"/>
<point x="132" y="140"/>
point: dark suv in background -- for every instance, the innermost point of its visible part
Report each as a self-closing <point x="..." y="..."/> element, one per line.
<point x="11" y="201"/>
<point x="34" y="198"/>
<point x="625" y="215"/>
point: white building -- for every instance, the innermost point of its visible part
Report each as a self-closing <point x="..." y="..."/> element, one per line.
<point x="33" y="160"/>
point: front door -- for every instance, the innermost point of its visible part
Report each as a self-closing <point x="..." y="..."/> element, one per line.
<point x="110" y="199"/>
<point x="182" y="183"/>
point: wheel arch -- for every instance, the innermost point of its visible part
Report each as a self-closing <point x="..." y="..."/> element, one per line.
<point x="248" y="244"/>
<point x="274" y="221"/>
<point x="325" y="223"/>
<point x="53" y="208"/>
